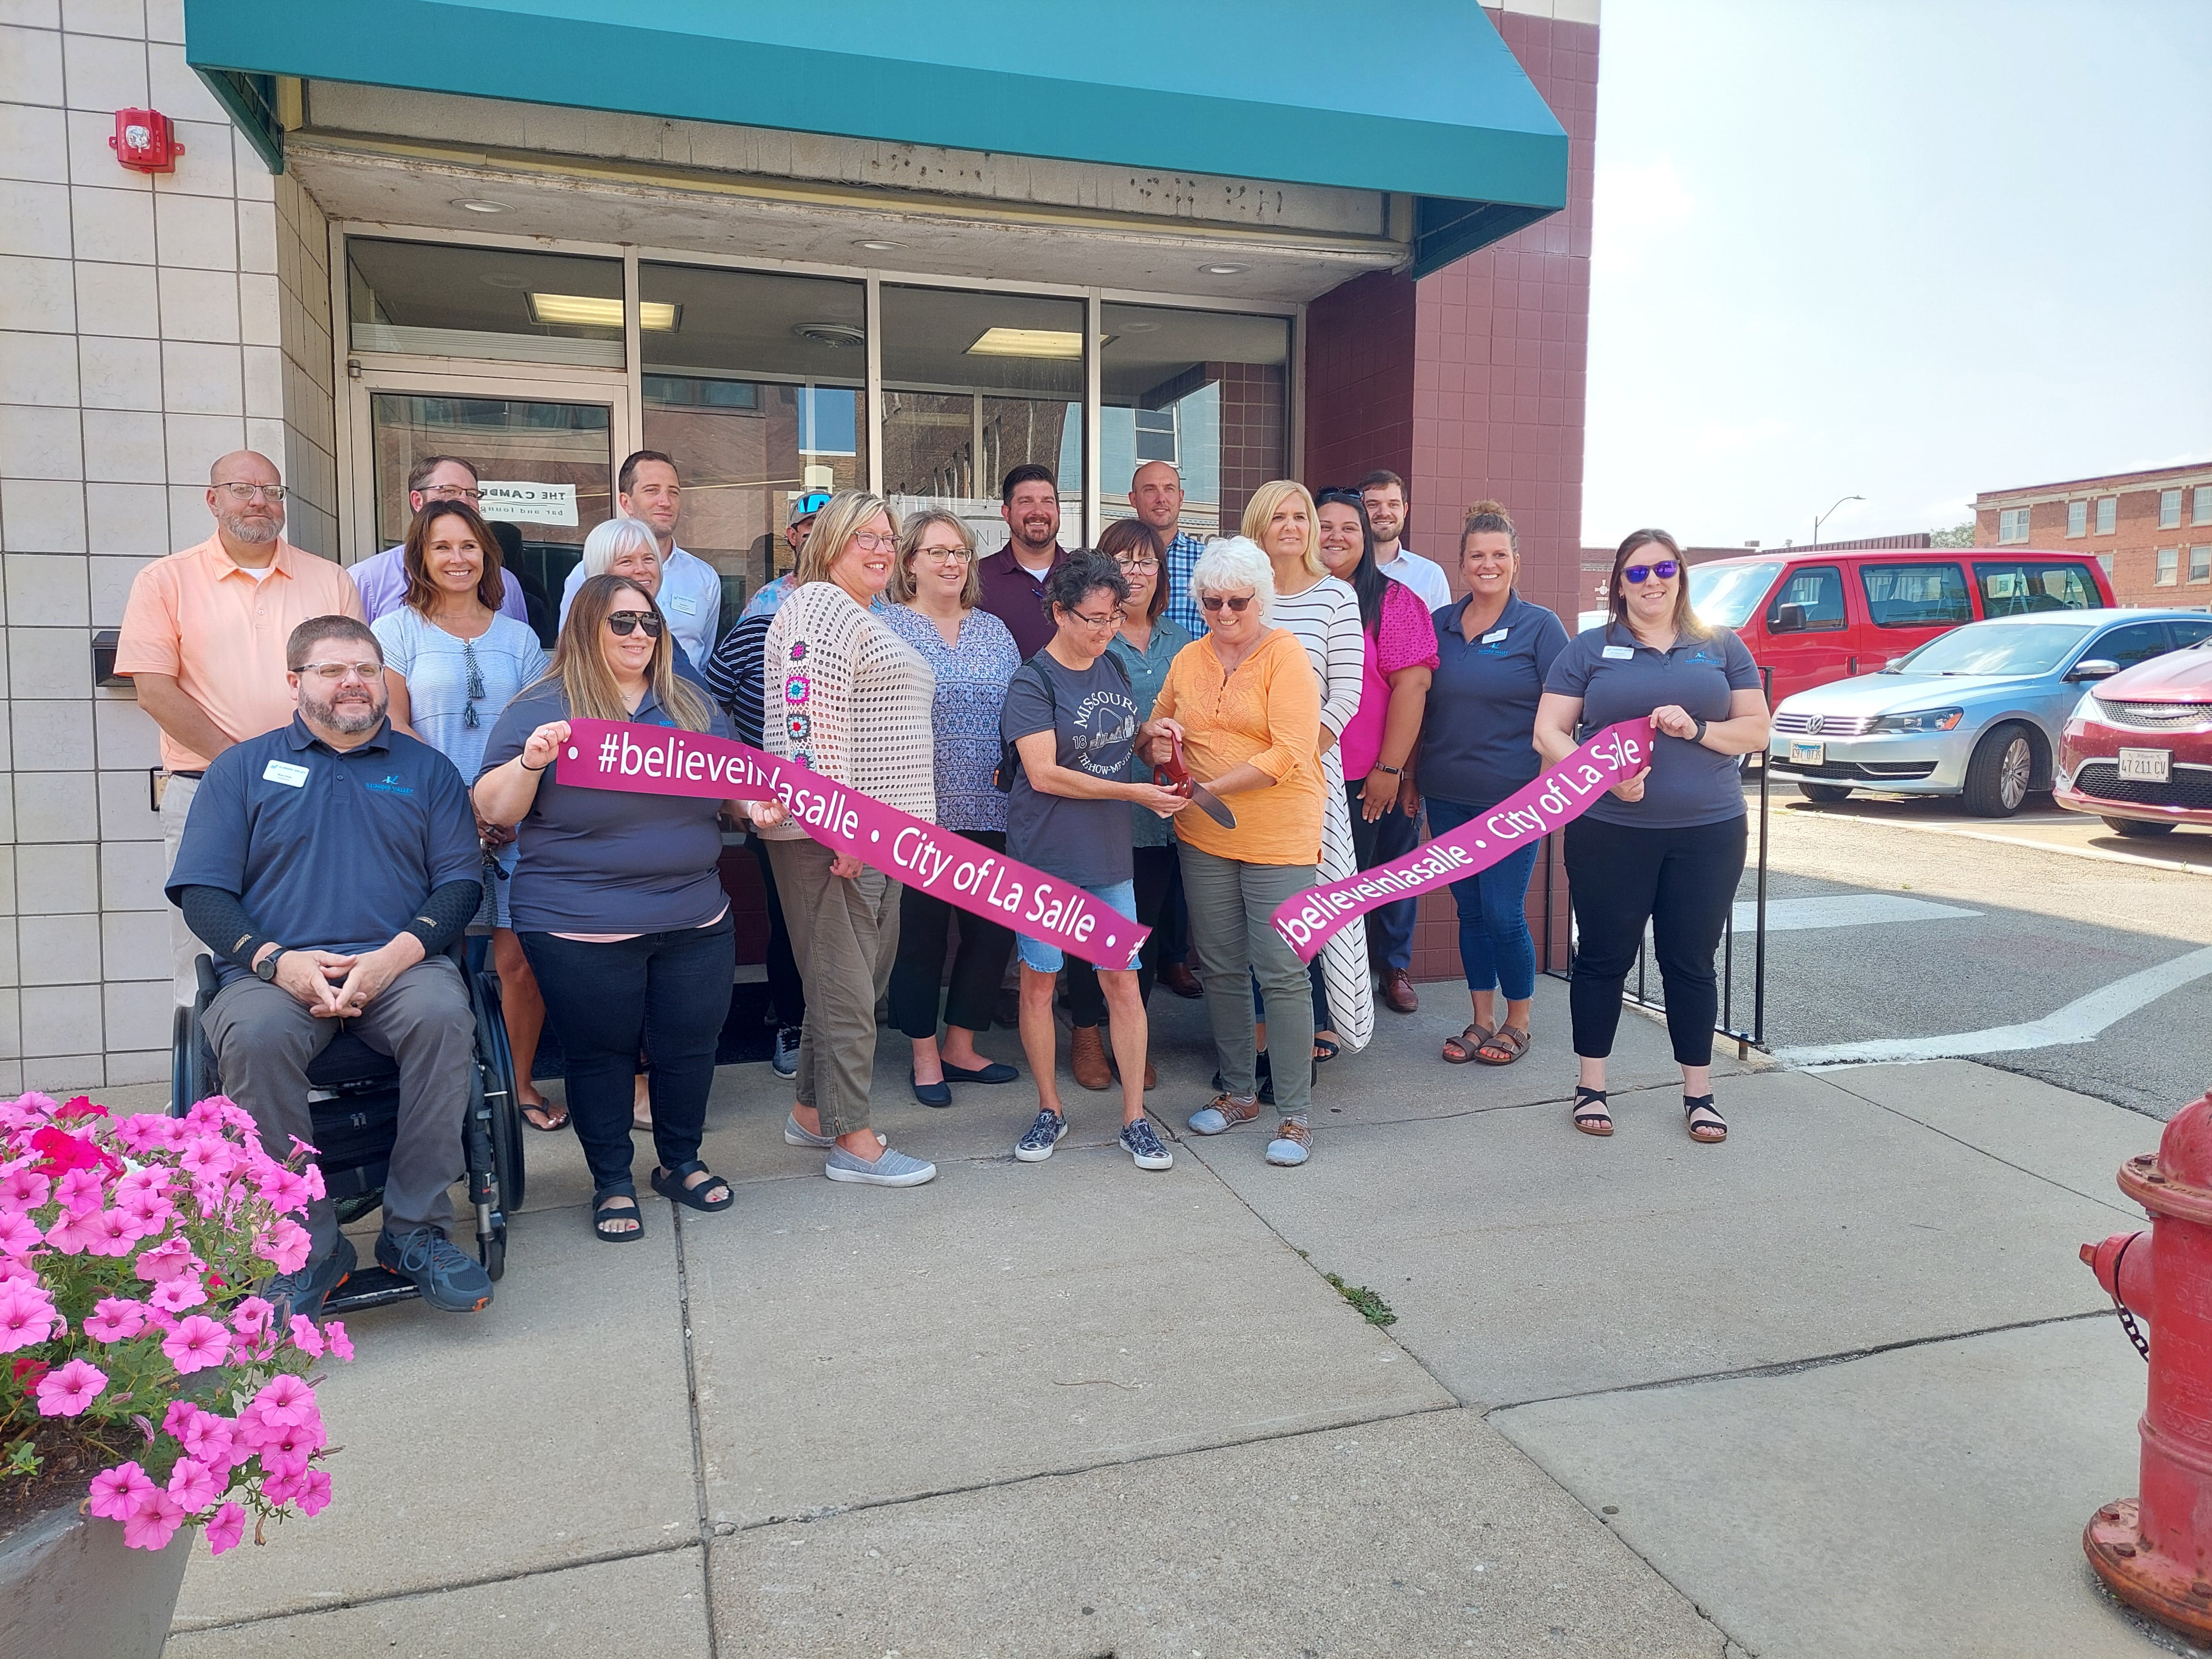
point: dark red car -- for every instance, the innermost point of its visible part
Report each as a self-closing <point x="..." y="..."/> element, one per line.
<point x="2137" y="749"/>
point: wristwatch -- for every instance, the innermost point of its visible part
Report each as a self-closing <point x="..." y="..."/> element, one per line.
<point x="265" y="970"/>
<point x="1698" y="736"/>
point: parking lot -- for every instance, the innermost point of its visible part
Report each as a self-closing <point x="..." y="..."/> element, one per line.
<point x="1904" y="929"/>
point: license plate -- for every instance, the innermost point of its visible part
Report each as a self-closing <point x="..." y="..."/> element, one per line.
<point x="1808" y="754"/>
<point x="2147" y="765"/>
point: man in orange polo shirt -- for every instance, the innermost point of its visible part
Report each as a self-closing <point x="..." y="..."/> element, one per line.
<point x="203" y="639"/>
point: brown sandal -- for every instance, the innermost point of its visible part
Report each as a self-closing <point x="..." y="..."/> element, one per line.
<point x="1509" y="1041"/>
<point x="1459" y="1050"/>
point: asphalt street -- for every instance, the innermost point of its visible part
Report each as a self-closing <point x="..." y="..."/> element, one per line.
<point x="1901" y="929"/>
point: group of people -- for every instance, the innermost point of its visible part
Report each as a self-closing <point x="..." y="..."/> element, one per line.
<point x="338" y="820"/>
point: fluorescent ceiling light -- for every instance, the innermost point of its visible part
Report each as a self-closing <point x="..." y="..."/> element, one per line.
<point x="1030" y="343"/>
<point x="590" y="311"/>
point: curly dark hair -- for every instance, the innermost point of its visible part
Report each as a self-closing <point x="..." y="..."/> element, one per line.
<point x="1082" y="573"/>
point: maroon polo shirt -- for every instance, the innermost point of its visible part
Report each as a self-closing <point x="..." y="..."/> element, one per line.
<point x="1017" y="598"/>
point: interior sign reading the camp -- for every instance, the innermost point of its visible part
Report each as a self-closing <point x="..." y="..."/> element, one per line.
<point x="525" y="502"/>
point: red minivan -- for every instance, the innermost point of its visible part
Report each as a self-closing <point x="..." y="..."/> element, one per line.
<point x="1812" y="616"/>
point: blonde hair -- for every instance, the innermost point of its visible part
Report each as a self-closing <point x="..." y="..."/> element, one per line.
<point x="579" y="662"/>
<point x="1233" y="563"/>
<point x="838" y="523"/>
<point x="903" y="586"/>
<point x="1260" y="513"/>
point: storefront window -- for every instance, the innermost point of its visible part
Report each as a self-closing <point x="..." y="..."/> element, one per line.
<point x="759" y="393"/>
<point x="1207" y="389"/>
<point x="974" y="385"/>
<point x="429" y="299"/>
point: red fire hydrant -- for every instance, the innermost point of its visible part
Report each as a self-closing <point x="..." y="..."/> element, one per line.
<point x="2154" y="1552"/>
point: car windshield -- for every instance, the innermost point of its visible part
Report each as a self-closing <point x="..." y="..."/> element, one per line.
<point x="1723" y="595"/>
<point x="1995" y="648"/>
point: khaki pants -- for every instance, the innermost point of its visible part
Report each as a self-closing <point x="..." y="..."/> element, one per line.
<point x="844" y="936"/>
<point x="184" y="944"/>
<point x="1232" y="934"/>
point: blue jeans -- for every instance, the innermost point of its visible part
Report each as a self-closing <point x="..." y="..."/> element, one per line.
<point x="1121" y="895"/>
<point x="1494" y="946"/>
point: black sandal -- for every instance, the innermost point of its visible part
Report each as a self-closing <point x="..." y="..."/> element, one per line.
<point x="669" y="1183"/>
<point x="1592" y="1119"/>
<point x="603" y="1213"/>
<point x="1325" y="1049"/>
<point x="1703" y="1133"/>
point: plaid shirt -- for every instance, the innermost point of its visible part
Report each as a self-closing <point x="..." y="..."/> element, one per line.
<point x="1182" y="604"/>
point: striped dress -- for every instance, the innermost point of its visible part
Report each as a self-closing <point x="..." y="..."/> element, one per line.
<point x="1325" y="617"/>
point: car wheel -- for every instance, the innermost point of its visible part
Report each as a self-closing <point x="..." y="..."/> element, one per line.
<point x="1828" y="795"/>
<point x="1998" y="775"/>
<point x="2137" y="827"/>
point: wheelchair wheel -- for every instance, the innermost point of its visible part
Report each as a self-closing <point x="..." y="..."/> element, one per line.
<point x="501" y="1094"/>
<point x="192" y="1063"/>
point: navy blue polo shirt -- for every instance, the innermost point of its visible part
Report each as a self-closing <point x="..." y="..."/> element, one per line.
<point x="1478" y="733"/>
<point x="328" y="849"/>
<point x="605" y="860"/>
<point x="1619" y="679"/>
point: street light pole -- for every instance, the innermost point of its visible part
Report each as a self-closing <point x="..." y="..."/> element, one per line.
<point x="1821" y="519"/>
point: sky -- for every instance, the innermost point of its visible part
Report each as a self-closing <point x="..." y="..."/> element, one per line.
<point x="1904" y="249"/>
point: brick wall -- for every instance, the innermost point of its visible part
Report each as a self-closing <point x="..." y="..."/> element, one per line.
<point x="2131" y="549"/>
<point x="1472" y="383"/>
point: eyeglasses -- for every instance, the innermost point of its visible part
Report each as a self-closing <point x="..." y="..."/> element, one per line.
<point x="1114" y="621"/>
<point x="334" y="673"/>
<point x="1664" y="570"/>
<point x="945" y="555"/>
<point x="626" y="622"/>
<point x="868" y="541"/>
<point x="1136" y="563"/>
<point x="1211" y="602"/>
<point x="453" y="492"/>
<point x="246" y="492"/>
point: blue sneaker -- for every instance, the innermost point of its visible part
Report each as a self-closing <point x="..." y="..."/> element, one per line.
<point x="1292" y="1145"/>
<point x="447" y="1278"/>
<point x="785" y="1061"/>
<point x="1224" y="1113"/>
<point x="1142" y="1142"/>
<point x="1043" y="1136"/>
<point x="302" y="1293"/>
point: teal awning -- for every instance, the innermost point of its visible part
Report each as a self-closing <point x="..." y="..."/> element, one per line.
<point x="1419" y="97"/>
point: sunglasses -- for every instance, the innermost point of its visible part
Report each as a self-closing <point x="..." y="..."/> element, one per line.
<point x="626" y="622"/>
<point x="1664" y="570"/>
<point x="1211" y="602"/>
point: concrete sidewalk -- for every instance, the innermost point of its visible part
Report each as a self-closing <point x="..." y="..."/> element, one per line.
<point x="1837" y="1387"/>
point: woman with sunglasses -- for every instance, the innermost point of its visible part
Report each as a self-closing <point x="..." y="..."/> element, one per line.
<point x="1478" y="747"/>
<point x="972" y="656"/>
<point x="1666" y="845"/>
<point x="1144" y="646"/>
<point x="617" y="899"/>
<point x="1382" y="806"/>
<point x="1244" y="704"/>
<point x="848" y="698"/>
<point x="452" y="662"/>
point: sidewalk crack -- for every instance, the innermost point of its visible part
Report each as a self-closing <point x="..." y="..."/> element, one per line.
<point x="707" y="1529"/>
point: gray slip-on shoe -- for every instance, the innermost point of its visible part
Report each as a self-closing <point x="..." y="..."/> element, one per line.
<point x="891" y="1169"/>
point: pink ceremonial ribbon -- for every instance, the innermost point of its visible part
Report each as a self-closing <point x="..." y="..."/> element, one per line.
<point x="1559" y="795"/>
<point x="662" y="760"/>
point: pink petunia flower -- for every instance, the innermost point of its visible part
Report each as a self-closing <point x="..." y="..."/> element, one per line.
<point x="116" y="1319"/>
<point x="154" y="1522"/>
<point x="287" y="1243"/>
<point x="171" y="1259"/>
<point x="114" y="1231"/>
<point x="282" y="1486"/>
<point x="18" y="1234"/>
<point x="67" y="1392"/>
<point x="196" y="1343"/>
<point x="285" y="1400"/>
<point x="79" y="1189"/>
<point x="314" y="1491"/>
<point x="27" y="1316"/>
<point x="212" y="1441"/>
<point x="116" y="1491"/>
<point x="224" y="1532"/>
<point x="175" y="1295"/>
<point x="251" y="1317"/>
<point x="179" y="1418"/>
<point x="305" y="1338"/>
<point x="148" y="1206"/>
<point x="76" y="1232"/>
<point x="192" y="1486"/>
<point x="334" y="1333"/>
<point x="24" y="1188"/>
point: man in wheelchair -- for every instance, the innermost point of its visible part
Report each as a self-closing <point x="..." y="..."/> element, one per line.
<point x="328" y="864"/>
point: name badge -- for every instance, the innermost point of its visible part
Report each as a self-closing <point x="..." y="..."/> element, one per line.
<point x="688" y="607"/>
<point x="284" y="771"/>
<point x="1493" y="638"/>
<point x="1619" y="652"/>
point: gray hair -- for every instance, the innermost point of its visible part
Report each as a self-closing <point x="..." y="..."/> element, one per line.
<point x="610" y="541"/>
<point x="1231" y="565"/>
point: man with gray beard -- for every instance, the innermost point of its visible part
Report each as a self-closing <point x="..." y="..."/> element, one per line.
<point x="329" y="864"/>
<point x="203" y="637"/>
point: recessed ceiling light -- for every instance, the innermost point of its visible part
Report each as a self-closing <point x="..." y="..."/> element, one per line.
<point x="1141" y="328"/>
<point x="592" y="311"/>
<point x="504" y="279"/>
<point x="879" y="247"/>
<point x="1223" y="270"/>
<point x="841" y="336"/>
<point x="1030" y="343"/>
<point x="478" y="204"/>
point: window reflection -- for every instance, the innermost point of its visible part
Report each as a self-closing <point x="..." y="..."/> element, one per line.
<point x="1206" y="390"/>
<point x="427" y="299"/>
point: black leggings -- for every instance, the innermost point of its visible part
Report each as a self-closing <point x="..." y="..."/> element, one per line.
<point x="1153" y="869"/>
<point x="1681" y="881"/>
<point x="977" y="967"/>
<point x="667" y="993"/>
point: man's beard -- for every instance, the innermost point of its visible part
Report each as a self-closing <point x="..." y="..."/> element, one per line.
<point x="1049" y="533"/>
<point x="252" y="528"/>
<point x="352" y="720"/>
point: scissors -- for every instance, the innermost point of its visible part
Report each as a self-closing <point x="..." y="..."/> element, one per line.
<point x="1177" y="776"/>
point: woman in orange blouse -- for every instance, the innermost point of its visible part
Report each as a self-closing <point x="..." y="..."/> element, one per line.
<point x="1246" y="706"/>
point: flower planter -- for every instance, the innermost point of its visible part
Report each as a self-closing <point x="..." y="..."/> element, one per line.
<point x="68" y="1589"/>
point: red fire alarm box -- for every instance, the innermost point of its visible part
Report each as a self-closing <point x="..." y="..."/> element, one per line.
<point x="144" y="141"/>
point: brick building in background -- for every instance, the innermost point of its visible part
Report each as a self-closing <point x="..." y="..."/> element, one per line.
<point x="2151" y="531"/>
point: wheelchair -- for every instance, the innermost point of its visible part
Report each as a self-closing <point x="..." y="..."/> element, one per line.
<point x="353" y="1099"/>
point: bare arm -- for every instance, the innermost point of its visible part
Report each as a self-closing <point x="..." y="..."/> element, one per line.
<point x="1402" y="730"/>
<point x="1047" y="777"/>
<point x="178" y="714"/>
<point x="1555" y="738"/>
<point x="505" y="793"/>
<point x="1745" y="729"/>
<point x="403" y="709"/>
